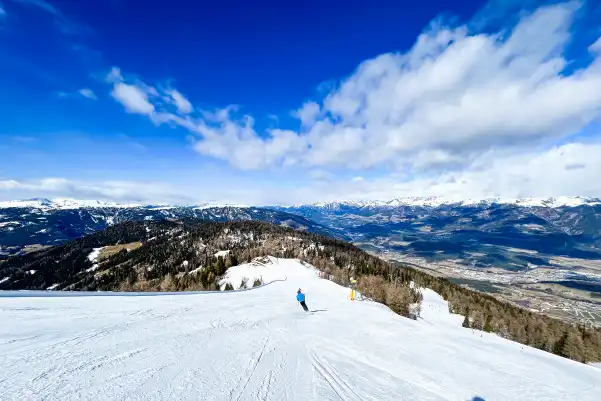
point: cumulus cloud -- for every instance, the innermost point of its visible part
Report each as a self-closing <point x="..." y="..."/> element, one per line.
<point x="461" y="112"/>
<point x="183" y="105"/>
<point x="308" y="113"/>
<point x="88" y="93"/>
<point x="133" y="98"/>
<point x="453" y="95"/>
<point x="596" y="47"/>
<point x="571" y="169"/>
<point x="162" y="105"/>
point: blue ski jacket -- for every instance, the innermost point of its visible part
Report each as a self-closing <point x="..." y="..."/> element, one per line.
<point x="300" y="297"/>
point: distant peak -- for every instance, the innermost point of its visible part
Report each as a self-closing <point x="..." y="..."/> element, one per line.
<point x="59" y="203"/>
<point x="435" y="201"/>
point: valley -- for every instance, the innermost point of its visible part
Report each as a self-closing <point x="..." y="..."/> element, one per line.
<point x="541" y="290"/>
<point x="540" y="254"/>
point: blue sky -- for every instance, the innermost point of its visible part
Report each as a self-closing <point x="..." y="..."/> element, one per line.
<point x="268" y="103"/>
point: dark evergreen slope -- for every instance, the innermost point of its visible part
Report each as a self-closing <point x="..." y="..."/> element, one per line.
<point x="173" y="256"/>
<point x="22" y="226"/>
<point x="182" y="255"/>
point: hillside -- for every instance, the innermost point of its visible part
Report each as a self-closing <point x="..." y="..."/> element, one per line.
<point x="194" y="255"/>
<point x="541" y="254"/>
<point x="259" y="344"/>
<point x="181" y="255"/>
<point x="29" y="225"/>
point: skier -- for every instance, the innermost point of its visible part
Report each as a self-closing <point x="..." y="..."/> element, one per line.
<point x="300" y="297"/>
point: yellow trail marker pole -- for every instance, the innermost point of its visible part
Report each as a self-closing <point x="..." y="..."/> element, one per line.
<point x="352" y="294"/>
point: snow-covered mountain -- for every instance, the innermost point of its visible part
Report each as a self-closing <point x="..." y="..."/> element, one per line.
<point x="429" y="201"/>
<point x="562" y="226"/>
<point x="66" y="203"/>
<point x="434" y="201"/>
<point x="51" y="222"/>
<point x="60" y="203"/>
<point x="258" y="344"/>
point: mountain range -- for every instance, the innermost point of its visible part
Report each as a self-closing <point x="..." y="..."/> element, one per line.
<point x="431" y="201"/>
<point x="31" y="224"/>
<point x="565" y="226"/>
<point x="532" y="240"/>
<point x="429" y="227"/>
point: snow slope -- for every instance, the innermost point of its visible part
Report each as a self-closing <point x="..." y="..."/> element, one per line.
<point x="259" y="345"/>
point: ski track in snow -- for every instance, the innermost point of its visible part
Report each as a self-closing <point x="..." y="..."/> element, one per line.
<point x="260" y="345"/>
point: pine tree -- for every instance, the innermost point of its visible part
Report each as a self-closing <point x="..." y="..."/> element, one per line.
<point x="466" y="321"/>
<point x="220" y="267"/>
<point x="558" y="347"/>
<point x="488" y="324"/>
<point x="571" y="346"/>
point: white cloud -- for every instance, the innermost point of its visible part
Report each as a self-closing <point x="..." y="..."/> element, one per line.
<point x="308" y="113"/>
<point x="89" y="93"/>
<point x="596" y="47"/>
<point x="10" y="184"/>
<point x="114" y="76"/>
<point x="572" y="170"/>
<point x="85" y="92"/>
<point x="139" y="98"/>
<point x="452" y="96"/>
<point x="550" y="173"/>
<point x="183" y="105"/>
<point x="133" y="98"/>
<point x="460" y="112"/>
<point x="119" y="191"/>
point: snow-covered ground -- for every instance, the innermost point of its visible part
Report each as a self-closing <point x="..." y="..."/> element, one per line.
<point x="259" y="345"/>
<point x="93" y="256"/>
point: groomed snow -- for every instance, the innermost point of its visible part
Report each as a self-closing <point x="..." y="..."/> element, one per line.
<point x="266" y="269"/>
<point x="259" y="345"/>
